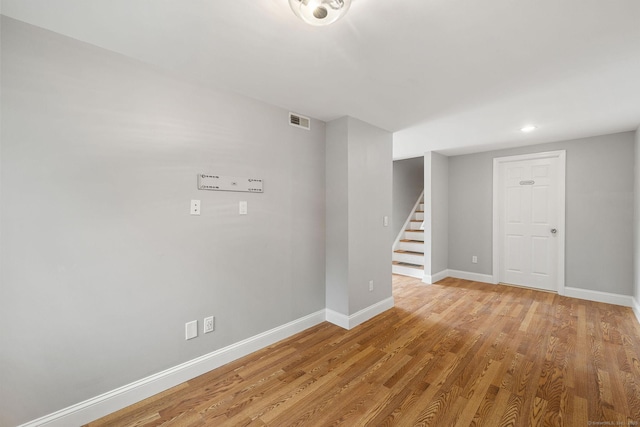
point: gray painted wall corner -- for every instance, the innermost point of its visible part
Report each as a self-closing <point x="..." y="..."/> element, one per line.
<point x="370" y="199"/>
<point x="636" y="223"/>
<point x="337" y="214"/>
<point x="436" y="231"/>
<point x="439" y="213"/>
<point x="359" y="174"/>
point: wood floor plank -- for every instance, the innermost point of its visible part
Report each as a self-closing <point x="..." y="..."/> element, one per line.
<point x="456" y="353"/>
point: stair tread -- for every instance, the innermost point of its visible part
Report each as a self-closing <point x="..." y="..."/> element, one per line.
<point x="406" y="264"/>
<point x="402" y="251"/>
<point x="417" y="220"/>
<point x="416" y="230"/>
<point x="411" y="241"/>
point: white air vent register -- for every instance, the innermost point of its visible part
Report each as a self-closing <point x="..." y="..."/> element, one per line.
<point x="299" y="121"/>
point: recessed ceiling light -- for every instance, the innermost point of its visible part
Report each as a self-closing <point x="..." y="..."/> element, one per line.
<point x="320" y="12"/>
<point x="528" y="128"/>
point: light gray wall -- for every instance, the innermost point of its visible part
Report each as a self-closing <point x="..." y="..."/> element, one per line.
<point x="439" y="213"/>
<point x="408" y="183"/>
<point x="370" y="181"/>
<point x="636" y="221"/>
<point x="337" y="207"/>
<point x="599" y="211"/>
<point x="428" y="214"/>
<point x="101" y="263"/>
<point x="358" y="196"/>
<point x="470" y="212"/>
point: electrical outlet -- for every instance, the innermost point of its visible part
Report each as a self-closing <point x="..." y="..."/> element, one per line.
<point x="209" y="324"/>
<point x="474" y="259"/>
<point x="370" y="285"/>
<point x="191" y="330"/>
<point x="242" y="207"/>
<point x="195" y="207"/>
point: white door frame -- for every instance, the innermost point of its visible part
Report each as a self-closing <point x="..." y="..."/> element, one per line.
<point x="561" y="156"/>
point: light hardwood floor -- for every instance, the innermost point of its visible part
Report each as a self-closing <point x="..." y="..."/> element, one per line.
<point x="457" y="353"/>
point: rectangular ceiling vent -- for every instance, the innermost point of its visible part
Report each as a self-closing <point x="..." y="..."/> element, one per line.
<point x="299" y="121"/>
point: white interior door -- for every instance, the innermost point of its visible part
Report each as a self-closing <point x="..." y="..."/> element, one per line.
<point x="529" y="218"/>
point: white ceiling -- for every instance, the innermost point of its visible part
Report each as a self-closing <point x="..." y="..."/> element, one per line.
<point x="454" y="76"/>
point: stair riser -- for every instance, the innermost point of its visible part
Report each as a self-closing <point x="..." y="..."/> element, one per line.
<point x="408" y="271"/>
<point x="421" y="207"/>
<point x="415" y="225"/>
<point x="414" y="235"/>
<point x="411" y="259"/>
<point x="419" y="215"/>
<point x="411" y="246"/>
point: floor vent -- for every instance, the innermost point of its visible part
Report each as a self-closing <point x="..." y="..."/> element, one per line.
<point x="299" y="121"/>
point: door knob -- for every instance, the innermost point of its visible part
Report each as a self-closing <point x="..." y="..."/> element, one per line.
<point x="554" y="231"/>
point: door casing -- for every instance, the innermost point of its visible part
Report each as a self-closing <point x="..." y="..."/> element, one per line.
<point x="497" y="245"/>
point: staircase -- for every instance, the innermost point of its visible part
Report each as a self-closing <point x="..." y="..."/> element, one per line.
<point x="408" y="251"/>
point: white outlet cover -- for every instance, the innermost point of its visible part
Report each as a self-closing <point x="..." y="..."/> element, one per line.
<point x="195" y="207"/>
<point x="243" y="208"/>
<point x="209" y="324"/>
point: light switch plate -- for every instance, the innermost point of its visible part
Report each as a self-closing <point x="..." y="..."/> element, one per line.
<point x="191" y="330"/>
<point x="243" y="208"/>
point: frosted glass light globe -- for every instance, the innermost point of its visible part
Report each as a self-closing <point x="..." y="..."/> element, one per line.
<point x="320" y="12"/>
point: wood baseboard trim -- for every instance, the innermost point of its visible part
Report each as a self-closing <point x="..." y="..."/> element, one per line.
<point x="598" y="296"/>
<point x="107" y="403"/>
<point x="350" y="322"/>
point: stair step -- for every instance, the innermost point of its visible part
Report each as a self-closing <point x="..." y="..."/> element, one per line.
<point x="406" y="269"/>
<point x="399" y="251"/>
<point x="415" y="224"/>
<point x="416" y="258"/>
<point x="414" y="235"/>
<point x="408" y="265"/>
<point x="410" y="245"/>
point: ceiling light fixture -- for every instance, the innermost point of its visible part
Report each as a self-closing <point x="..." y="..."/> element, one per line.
<point x="320" y="12"/>
<point x="528" y="128"/>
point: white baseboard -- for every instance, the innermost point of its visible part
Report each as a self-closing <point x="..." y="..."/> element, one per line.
<point x="598" y="296"/>
<point x="122" y="397"/>
<point x="474" y="277"/>
<point x="349" y="322"/>
<point x="636" y="308"/>
<point x="431" y="279"/>
<point x="439" y="276"/>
